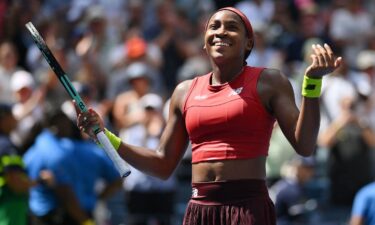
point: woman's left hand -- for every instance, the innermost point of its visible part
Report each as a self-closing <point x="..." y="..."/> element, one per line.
<point x="323" y="61"/>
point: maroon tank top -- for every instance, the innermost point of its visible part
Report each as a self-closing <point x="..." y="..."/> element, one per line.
<point x="227" y="121"/>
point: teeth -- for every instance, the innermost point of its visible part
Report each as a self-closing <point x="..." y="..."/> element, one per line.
<point x="221" y="44"/>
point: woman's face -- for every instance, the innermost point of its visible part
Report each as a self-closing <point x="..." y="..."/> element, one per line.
<point x="226" y="37"/>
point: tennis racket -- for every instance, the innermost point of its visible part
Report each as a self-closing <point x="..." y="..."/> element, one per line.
<point x="120" y="164"/>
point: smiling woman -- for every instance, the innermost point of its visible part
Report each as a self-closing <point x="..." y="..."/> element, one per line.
<point x="228" y="115"/>
<point x="246" y="23"/>
<point x="221" y="34"/>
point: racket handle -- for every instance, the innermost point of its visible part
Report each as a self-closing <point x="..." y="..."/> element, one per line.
<point x="120" y="164"/>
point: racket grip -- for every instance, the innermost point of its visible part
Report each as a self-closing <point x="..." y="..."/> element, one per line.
<point x="120" y="164"/>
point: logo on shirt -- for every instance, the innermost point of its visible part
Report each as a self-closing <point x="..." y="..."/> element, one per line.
<point x="200" y="97"/>
<point x="236" y="91"/>
<point x="194" y="192"/>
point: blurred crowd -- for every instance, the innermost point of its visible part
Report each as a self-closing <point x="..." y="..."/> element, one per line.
<point x="125" y="57"/>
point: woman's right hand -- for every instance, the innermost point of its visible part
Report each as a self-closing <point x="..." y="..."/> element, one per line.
<point x="88" y="121"/>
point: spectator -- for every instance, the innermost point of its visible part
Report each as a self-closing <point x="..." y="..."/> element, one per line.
<point x="140" y="187"/>
<point x="263" y="54"/>
<point x="353" y="18"/>
<point x="308" y="28"/>
<point x="13" y="185"/>
<point x="366" y="64"/>
<point x="14" y="182"/>
<point x="173" y="37"/>
<point x="95" y="44"/>
<point x="28" y="109"/>
<point x="363" y="211"/>
<point x="92" y="169"/>
<point x="349" y="142"/>
<point x="258" y="11"/>
<point x="54" y="92"/>
<point x="8" y="65"/>
<point x="334" y="89"/>
<point x="293" y="201"/>
<point x="126" y="108"/>
<point x="135" y="49"/>
<point x="55" y="205"/>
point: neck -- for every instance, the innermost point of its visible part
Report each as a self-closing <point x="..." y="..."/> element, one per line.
<point x="225" y="75"/>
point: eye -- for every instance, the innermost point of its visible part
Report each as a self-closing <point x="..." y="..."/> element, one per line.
<point x="232" y="27"/>
<point x="213" y="26"/>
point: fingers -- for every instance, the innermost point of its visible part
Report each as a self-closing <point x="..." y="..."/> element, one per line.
<point x="48" y="177"/>
<point x="325" y="55"/>
<point x="89" y="121"/>
<point x="78" y="110"/>
<point x="85" y="120"/>
<point x="323" y="61"/>
<point x="315" y="62"/>
<point x="319" y="53"/>
<point x="331" y="56"/>
<point x="338" y="62"/>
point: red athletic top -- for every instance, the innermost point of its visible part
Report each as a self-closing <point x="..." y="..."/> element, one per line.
<point x="227" y="121"/>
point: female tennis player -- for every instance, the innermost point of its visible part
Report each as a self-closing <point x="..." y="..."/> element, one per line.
<point x="228" y="115"/>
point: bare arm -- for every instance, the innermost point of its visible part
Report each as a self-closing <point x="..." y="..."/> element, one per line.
<point x="70" y="202"/>
<point x="173" y="143"/>
<point x="328" y="137"/>
<point x="122" y="117"/>
<point x="110" y="189"/>
<point x="369" y="136"/>
<point x="300" y="127"/>
<point x="19" y="182"/>
<point x="356" y="220"/>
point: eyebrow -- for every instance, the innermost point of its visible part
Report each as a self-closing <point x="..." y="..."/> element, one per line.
<point x="229" y="22"/>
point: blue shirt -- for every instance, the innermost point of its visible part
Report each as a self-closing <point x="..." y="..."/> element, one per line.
<point x="47" y="153"/>
<point x="364" y="204"/>
<point x="92" y="165"/>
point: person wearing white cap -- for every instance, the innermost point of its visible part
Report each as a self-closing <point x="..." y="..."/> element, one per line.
<point x="139" y="119"/>
<point x="21" y="79"/>
<point x="126" y="108"/>
<point x="28" y="108"/>
<point x="366" y="64"/>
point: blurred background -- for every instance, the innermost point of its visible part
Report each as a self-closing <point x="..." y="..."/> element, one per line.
<point x="125" y="58"/>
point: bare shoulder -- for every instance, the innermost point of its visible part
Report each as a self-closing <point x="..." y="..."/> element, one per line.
<point x="125" y="97"/>
<point x="273" y="77"/>
<point x="271" y="83"/>
<point x="126" y="94"/>
<point x="179" y="94"/>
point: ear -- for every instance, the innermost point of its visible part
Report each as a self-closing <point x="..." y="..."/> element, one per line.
<point x="249" y="44"/>
<point x="204" y="46"/>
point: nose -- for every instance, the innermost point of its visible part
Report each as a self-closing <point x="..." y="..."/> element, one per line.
<point x="221" y="31"/>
